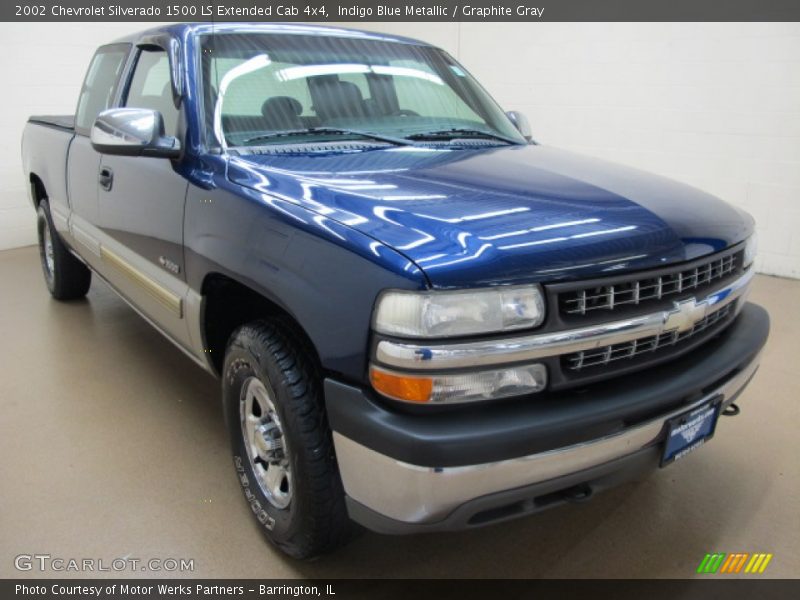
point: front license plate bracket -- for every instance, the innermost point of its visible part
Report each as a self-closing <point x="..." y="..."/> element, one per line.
<point x="690" y="430"/>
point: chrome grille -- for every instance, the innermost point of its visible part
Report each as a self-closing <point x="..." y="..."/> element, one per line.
<point x="599" y="357"/>
<point x="635" y="292"/>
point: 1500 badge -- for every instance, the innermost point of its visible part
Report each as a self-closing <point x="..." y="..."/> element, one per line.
<point x="169" y="265"/>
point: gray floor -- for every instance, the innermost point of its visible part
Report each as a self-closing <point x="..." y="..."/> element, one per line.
<point x="112" y="445"/>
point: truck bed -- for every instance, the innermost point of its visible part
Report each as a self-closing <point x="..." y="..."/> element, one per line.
<point x="65" y="122"/>
<point x="45" y="145"/>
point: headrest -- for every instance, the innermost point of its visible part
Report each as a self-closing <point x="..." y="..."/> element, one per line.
<point x="338" y="99"/>
<point x="281" y="106"/>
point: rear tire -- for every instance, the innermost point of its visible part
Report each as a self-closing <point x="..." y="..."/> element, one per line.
<point x="66" y="277"/>
<point x="282" y="445"/>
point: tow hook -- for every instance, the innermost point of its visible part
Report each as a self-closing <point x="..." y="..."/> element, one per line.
<point x="731" y="410"/>
<point x="578" y="493"/>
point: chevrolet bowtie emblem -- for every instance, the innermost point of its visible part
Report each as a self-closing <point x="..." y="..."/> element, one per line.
<point x="685" y="314"/>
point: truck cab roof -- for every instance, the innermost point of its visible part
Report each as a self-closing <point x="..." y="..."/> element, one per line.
<point x="180" y="30"/>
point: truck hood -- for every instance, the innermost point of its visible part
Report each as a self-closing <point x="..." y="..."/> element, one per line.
<point x="510" y="214"/>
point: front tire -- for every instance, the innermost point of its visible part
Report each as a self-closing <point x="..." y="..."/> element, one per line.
<point x="66" y="277"/>
<point x="282" y="446"/>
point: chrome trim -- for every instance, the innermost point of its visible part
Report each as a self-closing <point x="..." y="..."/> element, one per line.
<point x="423" y="494"/>
<point x="650" y="286"/>
<point x="683" y="316"/>
<point x="601" y="357"/>
<point x="131" y="132"/>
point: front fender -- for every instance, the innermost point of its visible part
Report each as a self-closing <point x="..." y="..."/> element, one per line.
<point x="322" y="272"/>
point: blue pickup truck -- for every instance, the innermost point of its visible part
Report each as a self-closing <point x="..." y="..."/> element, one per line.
<point x="421" y="319"/>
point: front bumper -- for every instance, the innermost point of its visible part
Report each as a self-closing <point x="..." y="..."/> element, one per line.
<point x="419" y="472"/>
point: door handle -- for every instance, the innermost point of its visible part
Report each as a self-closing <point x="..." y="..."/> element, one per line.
<point x="106" y="178"/>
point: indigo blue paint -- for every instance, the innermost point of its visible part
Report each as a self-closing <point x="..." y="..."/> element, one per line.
<point x="322" y="234"/>
<point x="511" y="214"/>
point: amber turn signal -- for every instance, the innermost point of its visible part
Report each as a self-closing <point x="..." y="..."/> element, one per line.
<point x="401" y="387"/>
<point x="456" y="388"/>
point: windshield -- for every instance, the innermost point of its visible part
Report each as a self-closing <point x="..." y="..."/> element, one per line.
<point x="319" y="87"/>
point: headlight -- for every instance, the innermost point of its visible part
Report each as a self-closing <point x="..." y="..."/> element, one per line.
<point x="463" y="312"/>
<point x="458" y="388"/>
<point x="750" y="249"/>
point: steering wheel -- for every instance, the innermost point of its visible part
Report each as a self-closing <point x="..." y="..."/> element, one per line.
<point x="403" y="112"/>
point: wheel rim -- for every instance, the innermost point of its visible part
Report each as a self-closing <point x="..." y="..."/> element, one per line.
<point x="265" y="442"/>
<point x="48" y="255"/>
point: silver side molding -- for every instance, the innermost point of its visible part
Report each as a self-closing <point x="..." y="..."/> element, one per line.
<point x="683" y="315"/>
<point x="164" y="300"/>
<point x="168" y="299"/>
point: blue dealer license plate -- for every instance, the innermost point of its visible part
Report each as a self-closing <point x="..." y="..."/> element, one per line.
<point x="689" y="431"/>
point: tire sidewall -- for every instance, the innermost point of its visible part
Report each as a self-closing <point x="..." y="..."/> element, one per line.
<point x="245" y="359"/>
<point x="43" y="220"/>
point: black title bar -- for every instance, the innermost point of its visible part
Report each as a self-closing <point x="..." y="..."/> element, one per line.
<point x="386" y="589"/>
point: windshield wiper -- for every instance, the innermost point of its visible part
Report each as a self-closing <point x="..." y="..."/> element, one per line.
<point x="329" y="130"/>
<point x="455" y="133"/>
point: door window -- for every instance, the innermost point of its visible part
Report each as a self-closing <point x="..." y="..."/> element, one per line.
<point x="100" y="85"/>
<point x="151" y="88"/>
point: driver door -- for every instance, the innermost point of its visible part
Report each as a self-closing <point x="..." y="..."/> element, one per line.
<point x="140" y="210"/>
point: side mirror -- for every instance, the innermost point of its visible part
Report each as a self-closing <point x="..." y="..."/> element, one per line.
<point x="133" y="132"/>
<point x="520" y="121"/>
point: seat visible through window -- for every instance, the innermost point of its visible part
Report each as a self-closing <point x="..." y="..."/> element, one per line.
<point x="282" y="112"/>
<point x="335" y="99"/>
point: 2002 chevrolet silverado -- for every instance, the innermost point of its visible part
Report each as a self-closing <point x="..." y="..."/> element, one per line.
<point x="421" y="319"/>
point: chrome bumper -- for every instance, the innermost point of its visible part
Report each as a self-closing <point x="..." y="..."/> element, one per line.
<point x="411" y="494"/>
<point x="683" y="315"/>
